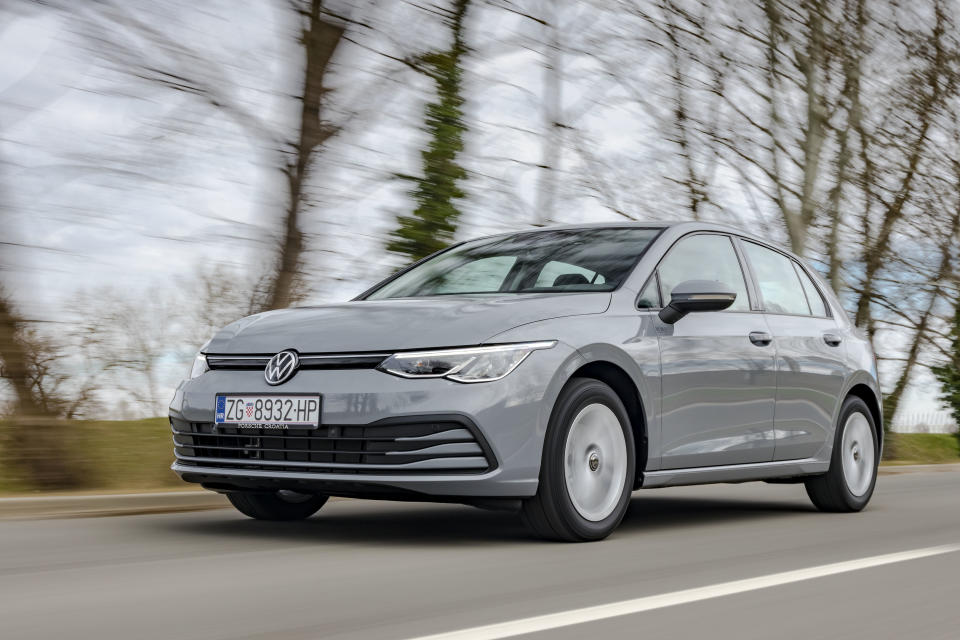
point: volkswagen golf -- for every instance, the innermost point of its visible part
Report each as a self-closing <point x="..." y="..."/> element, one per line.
<point x="552" y="371"/>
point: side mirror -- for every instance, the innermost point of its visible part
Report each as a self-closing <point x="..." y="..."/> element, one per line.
<point x="697" y="295"/>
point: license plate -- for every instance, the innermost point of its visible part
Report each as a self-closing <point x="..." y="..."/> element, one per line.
<point x="268" y="412"/>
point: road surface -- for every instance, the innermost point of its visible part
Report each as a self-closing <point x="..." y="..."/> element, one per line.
<point x="390" y="570"/>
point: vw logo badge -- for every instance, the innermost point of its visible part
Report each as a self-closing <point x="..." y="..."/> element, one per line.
<point x="281" y="367"/>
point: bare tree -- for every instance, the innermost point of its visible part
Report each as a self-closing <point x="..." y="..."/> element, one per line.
<point x="850" y="42"/>
<point x="941" y="286"/>
<point x="790" y="76"/>
<point x="920" y="102"/>
<point x="220" y="295"/>
<point x="320" y="38"/>
<point x="16" y="360"/>
<point x="33" y="442"/>
<point x="682" y="30"/>
<point x="118" y="35"/>
<point x="138" y="335"/>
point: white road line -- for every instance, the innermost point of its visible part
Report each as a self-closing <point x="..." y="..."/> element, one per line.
<point x="626" y="607"/>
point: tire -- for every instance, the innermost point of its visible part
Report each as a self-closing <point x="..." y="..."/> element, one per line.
<point x="588" y="466"/>
<point x="849" y="483"/>
<point x="276" y="506"/>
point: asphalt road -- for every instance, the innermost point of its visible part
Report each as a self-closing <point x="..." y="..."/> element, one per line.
<point x="384" y="570"/>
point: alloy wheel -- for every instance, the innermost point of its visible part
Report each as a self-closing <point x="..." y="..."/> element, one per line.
<point x="595" y="462"/>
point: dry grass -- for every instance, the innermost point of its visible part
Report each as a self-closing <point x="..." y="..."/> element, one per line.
<point x="923" y="448"/>
<point x="122" y="455"/>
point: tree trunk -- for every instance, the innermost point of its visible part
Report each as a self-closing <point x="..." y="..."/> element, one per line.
<point x="775" y="121"/>
<point x="852" y="53"/>
<point x="814" y="133"/>
<point x="320" y="40"/>
<point x="551" y="148"/>
<point x="694" y="182"/>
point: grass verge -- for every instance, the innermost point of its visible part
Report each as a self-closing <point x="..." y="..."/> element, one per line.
<point x="923" y="448"/>
<point x="108" y="456"/>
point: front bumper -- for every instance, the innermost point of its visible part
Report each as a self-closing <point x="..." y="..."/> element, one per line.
<point x="380" y="435"/>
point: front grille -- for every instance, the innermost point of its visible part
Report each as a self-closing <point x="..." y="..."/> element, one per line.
<point x="405" y="445"/>
<point x="307" y="361"/>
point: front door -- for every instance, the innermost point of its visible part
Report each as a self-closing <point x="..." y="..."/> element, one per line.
<point x="718" y="369"/>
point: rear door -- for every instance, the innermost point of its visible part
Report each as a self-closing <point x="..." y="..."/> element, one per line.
<point x="810" y="352"/>
<point x="717" y="369"/>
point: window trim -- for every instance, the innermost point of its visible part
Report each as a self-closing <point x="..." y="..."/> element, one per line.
<point x="753" y="285"/>
<point x="813" y="283"/>
<point x="752" y="295"/>
<point x="793" y="263"/>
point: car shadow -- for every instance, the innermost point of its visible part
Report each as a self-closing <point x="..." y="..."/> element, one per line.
<point x="390" y="524"/>
<point x="433" y="525"/>
<point x="649" y="512"/>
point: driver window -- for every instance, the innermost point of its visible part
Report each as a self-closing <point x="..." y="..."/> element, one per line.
<point x="704" y="257"/>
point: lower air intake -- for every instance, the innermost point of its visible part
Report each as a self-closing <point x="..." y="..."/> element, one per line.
<point x="396" y="446"/>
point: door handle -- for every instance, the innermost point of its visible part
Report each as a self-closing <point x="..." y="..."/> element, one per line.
<point x="832" y="339"/>
<point x="760" y="338"/>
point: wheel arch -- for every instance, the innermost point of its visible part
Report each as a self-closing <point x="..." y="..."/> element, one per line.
<point x="871" y="398"/>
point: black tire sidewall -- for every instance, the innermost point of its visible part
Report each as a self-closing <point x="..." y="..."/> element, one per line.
<point x="576" y="395"/>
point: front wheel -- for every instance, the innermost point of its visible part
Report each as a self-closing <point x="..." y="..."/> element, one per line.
<point x="281" y="505"/>
<point x="849" y="483"/>
<point x="588" y="466"/>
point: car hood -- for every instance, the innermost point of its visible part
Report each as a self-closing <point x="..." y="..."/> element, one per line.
<point x="393" y="325"/>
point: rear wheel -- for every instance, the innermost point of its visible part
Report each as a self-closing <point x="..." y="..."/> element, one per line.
<point x="849" y="483"/>
<point x="588" y="466"/>
<point x="282" y="505"/>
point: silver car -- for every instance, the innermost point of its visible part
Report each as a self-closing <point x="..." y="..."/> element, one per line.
<point x="552" y="371"/>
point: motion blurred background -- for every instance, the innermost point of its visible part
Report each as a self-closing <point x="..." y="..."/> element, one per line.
<point x="168" y="166"/>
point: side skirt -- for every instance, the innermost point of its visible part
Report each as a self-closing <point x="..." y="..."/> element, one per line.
<point x="734" y="473"/>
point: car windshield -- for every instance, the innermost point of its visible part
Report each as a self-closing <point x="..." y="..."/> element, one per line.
<point x="568" y="260"/>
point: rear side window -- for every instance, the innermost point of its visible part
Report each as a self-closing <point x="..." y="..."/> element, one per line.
<point x="704" y="257"/>
<point x="817" y="305"/>
<point x="779" y="284"/>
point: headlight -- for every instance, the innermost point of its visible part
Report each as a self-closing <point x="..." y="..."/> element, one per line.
<point x="199" y="367"/>
<point x="477" y="364"/>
